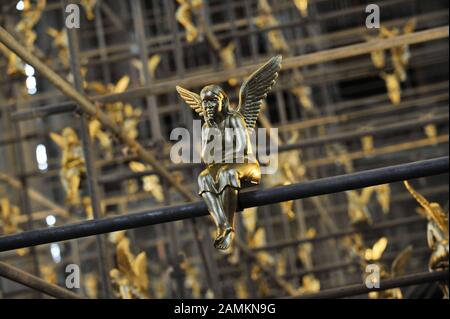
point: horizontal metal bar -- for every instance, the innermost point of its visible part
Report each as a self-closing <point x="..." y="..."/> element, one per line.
<point x="246" y="199"/>
<point x="35" y="112"/>
<point x="26" y="279"/>
<point x="359" y="289"/>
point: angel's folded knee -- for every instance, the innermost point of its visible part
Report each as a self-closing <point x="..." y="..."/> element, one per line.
<point x="228" y="177"/>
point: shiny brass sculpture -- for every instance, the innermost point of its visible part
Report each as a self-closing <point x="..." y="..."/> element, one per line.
<point x="221" y="181"/>
<point x="393" y="87"/>
<point x="358" y="211"/>
<point x="437" y="233"/>
<point x="184" y="15"/>
<point x="229" y="61"/>
<point x="91" y="285"/>
<point x="396" y="269"/>
<point x="399" y="59"/>
<point x="88" y="6"/>
<point x="130" y="279"/>
<point x="9" y="218"/>
<point x="60" y="42"/>
<point x="9" y="215"/>
<point x="31" y="14"/>
<point x="72" y="163"/>
<point x="302" y="7"/>
<point x="372" y="255"/>
<point x="267" y="19"/>
<point x="150" y="183"/>
<point x="152" y="65"/>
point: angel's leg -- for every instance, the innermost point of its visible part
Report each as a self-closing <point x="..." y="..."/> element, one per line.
<point x="216" y="210"/>
<point x="74" y="189"/>
<point x="229" y="198"/>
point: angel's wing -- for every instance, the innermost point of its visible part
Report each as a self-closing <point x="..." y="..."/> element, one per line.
<point x="410" y="26"/>
<point x="52" y="32"/>
<point x="379" y="247"/>
<point x="417" y="196"/>
<point x="255" y="89"/>
<point x="192" y="99"/>
<point x="399" y="263"/>
<point x="124" y="256"/>
<point x="122" y="85"/>
<point x="377" y="250"/>
<point x="137" y="166"/>
<point x="366" y="194"/>
<point x="58" y="139"/>
<point x="140" y="270"/>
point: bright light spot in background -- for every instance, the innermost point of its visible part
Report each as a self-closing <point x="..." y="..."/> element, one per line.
<point x="56" y="252"/>
<point x="31" y="80"/>
<point x="20" y="5"/>
<point x="29" y="70"/>
<point x="50" y="220"/>
<point x="41" y="157"/>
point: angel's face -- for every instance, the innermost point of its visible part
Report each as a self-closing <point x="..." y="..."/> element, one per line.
<point x="212" y="100"/>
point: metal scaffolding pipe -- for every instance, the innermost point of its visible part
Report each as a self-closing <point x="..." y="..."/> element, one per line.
<point x="246" y="199"/>
<point x="359" y="289"/>
<point x="26" y="279"/>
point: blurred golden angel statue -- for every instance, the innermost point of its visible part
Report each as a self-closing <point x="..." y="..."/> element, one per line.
<point x="437" y="233"/>
<point x="72" y="163"/>
<point x="130" y="279"/>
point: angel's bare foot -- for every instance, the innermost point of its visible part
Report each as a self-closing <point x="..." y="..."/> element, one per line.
<point x="223" y="239"/>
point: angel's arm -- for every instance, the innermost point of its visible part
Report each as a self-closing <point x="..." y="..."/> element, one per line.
<point x="58" y="139"/>
<point x="239" y="132"/>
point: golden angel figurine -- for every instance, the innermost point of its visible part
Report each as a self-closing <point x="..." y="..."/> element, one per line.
<point x="401" y="55"/>
<point x="130" y="279"/>
<point x="358" y="212"/>
<point x="9" y="215"/>
<point x="266" y="19"/>
<point x="60" y="42"/>
<point x="152" y="65"/>
<point x="393" y="87"/>
<point x="91" y="285"/>
<point x="437" y="233"/>
<point x="221" y="181"/>
<point x="96" y="132"/>
<point x="302" y="7"/>
<point x="48" y="273"/>
<point x="89" y="7"/>
<point x="72" y="163"/>
<point x="184" y="17"/>
<point x="131" y="118"/>
<point x="151" y="183"/>
<point x="15" y="64"/>
<point x="30" y="17"/>
<point x="229" y="61"/>
<point x="396" y="269"/>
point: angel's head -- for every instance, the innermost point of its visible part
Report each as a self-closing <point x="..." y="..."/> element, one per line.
<point x="214" y="100"/>
<point x="70" y="135"/>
